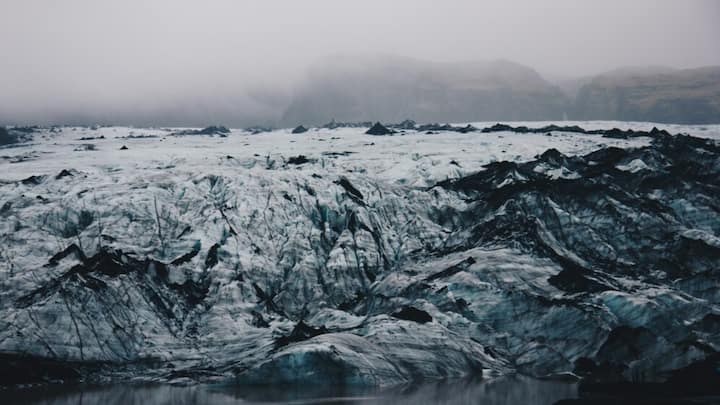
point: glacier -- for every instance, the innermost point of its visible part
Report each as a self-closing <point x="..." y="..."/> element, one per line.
<point x="333" y="256"/>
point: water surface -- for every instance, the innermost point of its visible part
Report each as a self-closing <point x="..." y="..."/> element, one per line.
<point x="506" y="390"/>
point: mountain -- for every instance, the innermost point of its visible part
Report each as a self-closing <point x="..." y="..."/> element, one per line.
<point x="391" y="89"/>
<point x="657" y="95"/>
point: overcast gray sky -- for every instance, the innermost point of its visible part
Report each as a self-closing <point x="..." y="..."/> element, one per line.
<point x="75" y="56"/>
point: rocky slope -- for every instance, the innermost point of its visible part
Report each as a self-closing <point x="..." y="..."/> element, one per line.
<point x="225" y="258"/>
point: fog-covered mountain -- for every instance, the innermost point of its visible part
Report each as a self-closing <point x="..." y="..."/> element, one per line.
<point x="654" y="94"/>
<point x="378" y="87"/>
<point x="389" y="88"/>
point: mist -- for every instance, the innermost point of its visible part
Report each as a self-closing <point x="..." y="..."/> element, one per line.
<point x="240" y="63"/>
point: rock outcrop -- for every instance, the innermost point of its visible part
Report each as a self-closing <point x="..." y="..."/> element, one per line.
<point x="378" y="129"/>
<point x="211" y="130"/>
<point x="299" y="130"/>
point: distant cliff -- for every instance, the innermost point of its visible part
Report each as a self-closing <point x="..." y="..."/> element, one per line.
<point x="392" y="89"/>
<point x="690" y="96"/>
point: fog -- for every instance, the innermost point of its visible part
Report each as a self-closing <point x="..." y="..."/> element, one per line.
<point x="188" y="62"/>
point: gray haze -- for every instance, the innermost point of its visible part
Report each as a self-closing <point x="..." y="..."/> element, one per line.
<point x="187" y="62"/>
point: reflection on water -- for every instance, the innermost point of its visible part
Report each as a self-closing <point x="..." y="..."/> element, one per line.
<point x="508" y="390"/>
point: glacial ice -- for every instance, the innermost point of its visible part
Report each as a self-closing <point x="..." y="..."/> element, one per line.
<point x="211" y="258"/>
